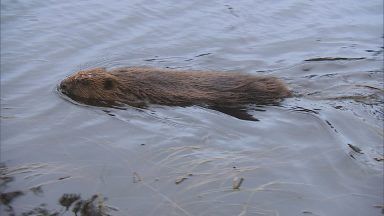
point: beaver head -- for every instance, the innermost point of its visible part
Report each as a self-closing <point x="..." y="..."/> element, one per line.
<point x="94" y="87"/>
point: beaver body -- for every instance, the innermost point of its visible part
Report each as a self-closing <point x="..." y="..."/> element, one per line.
<point x="140" y="87"/>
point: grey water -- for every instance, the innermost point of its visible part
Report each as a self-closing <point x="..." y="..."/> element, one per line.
<point x="297" y="160"/>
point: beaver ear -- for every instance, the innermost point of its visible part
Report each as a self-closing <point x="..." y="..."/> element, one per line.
<point x="109" y="84"/>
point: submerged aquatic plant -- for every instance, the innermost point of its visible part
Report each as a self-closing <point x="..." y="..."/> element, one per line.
<point x="93" y="206"/>
<point x="67" y="200"/>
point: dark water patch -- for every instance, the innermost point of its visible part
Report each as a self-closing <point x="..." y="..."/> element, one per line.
<point x="355" y="148"/>
<point x="338" y="107"/>
<point x="302" y="109"/>
<point x="231" y="10"/>
<point x="329" y="75"/>
<point x="65" y="177"/>
<point x="311" y="76"/>
<point x="375" y="52"/>
<point x="37" y="190"/>
<point x="330" y="125"/>
<point x="371" y="87"/>
<point x="109" y="113"/>
<point x="371" y="99"/>
<point x="158" y="59"/>
<point x="152" y="59"/>
<point x="203" y="54"/>
<point x="167" y="59"/>
<point x="239" y="112"/>
<point x="334" y="59"/>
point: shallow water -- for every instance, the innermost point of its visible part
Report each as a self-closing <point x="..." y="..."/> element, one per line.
<point x="294" y="161"/>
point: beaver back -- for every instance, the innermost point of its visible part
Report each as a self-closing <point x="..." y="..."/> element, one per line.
<point x="140" y="86"/>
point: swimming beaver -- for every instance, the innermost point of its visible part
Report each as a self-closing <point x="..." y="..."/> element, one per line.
<point x="141" y="86"/>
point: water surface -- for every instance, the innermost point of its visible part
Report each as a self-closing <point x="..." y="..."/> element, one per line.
<point x="295" y="161"/>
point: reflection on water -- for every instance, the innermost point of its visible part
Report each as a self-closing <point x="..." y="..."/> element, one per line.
<point x="318" y="153"/>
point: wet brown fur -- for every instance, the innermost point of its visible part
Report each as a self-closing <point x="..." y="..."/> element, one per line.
<point x="141" y="86"/>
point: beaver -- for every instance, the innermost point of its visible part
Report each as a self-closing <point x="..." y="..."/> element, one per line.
<point x="228" y="92"/>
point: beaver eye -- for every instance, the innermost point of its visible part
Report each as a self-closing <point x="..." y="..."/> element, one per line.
<point x="108" y="84"/>
<point x="63" y="86"/>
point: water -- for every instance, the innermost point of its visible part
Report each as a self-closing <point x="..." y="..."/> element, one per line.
<point x="294" y="161"/>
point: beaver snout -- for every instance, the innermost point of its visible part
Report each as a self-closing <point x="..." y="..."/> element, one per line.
<point x="63" y="88"/>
